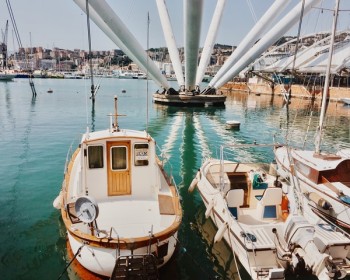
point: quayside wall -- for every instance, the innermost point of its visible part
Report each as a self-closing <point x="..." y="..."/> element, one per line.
<point x="300" y="91"/>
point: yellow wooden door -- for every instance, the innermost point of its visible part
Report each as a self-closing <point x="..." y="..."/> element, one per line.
<point x="118" y="168"/>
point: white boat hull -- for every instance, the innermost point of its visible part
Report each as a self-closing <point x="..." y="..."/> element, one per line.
<point x="239" y="206"/>
<point x="339" y="212"/>
<point x="101" y="260"/>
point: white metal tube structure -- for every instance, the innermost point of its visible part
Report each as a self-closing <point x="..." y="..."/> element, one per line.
<point x="193" y="10"/>
<point x="254" y="34"/>
<point x="104" y="17"/>
<point x="269" y="38"/>
<point x="170" y="41"/>
<point x="326" y="82"/>
<point x="210" y="40"/>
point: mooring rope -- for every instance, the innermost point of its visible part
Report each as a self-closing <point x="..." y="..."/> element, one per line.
<point x="76" y="254"/>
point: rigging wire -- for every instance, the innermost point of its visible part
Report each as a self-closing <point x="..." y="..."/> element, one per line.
<point x="252" y="11"/>
<point x="148" y="22"/>
<point x="297" y="44"/>
<point x="31" y="83"/>
<point x="318" y="16"/>
<point x="13" y="22"/>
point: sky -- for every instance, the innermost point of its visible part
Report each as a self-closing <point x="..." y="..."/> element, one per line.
<point x="61" y="23"/>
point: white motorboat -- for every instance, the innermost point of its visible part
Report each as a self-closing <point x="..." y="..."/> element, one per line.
<point x="251" y="210"/>
<point x="119" y="206"/>
<point x="5" y="76"/>
<point x="136" y="75"/>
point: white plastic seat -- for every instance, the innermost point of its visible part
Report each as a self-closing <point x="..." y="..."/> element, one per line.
<point x="235" y="199"/>
<point x="270" y="202"/>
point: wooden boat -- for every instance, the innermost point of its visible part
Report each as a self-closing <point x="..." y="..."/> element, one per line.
<point x="118" y="204"/>
<point x="252" y="213"/>
<point x="324" y="174"/>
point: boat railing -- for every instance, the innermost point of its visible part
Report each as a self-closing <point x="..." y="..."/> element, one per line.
<point x="167" y="166"/>
<point x="69" y="155"/>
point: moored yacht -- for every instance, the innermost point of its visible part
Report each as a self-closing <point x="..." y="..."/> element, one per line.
<point x="251" y="209"/>
<point x="6" y="76"/>
<point x="119" y="206"/>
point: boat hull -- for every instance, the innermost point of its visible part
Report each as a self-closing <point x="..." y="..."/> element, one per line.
<point x="338" y="212"/>
<point x="7" y="77"/>
<point x="189" y="100"/>
<point x="101" y="260"/>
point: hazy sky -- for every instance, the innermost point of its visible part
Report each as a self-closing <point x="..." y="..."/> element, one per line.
<point x="61" y="23"/>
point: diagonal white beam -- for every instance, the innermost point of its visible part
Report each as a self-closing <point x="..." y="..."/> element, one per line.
<point x="253" y="35"/>
<point x="170" y="41"/>
<point x="269" y="38"/>
<point x="210" y="40"/>
<point x="193" y="10"/>
<point x="104" y="17"/>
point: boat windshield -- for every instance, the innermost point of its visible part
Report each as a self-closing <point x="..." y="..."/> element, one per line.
<point x="345" y="199"/>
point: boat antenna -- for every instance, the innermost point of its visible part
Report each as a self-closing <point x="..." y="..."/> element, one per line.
<point x="90" y="54"/>
<point x="148" y="22"/>
<point x="325" y="94"/>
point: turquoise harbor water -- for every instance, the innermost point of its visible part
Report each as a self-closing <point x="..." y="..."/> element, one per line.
<point x="35" y="135"/>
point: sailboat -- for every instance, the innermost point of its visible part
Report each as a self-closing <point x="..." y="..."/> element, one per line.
<point x="323" y="178"/>
<point x="250" y="207"/>
<point x="120" y="209"/>
<point x="5" y="74"/>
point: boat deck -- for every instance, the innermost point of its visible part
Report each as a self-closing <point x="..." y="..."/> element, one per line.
<point x="129" y="218"/>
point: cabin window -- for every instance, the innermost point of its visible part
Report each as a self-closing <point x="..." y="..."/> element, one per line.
<point x="95" y="155"/>
<point x="141" y="154"/>
<point x="307" y="171"/>
<point x="119" y="158"/>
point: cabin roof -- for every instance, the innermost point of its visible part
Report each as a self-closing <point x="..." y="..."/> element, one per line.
<point x="90" y="136"/>
<point x="317" y="162"/>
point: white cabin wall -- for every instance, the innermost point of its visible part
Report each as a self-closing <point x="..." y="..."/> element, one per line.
<point x="96" y="179"/>
<point x="144" y="183"/>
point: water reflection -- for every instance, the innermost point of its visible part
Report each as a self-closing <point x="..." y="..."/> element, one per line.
<point x="195" y="133"/>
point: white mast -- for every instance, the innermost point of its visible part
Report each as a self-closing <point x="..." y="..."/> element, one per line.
<point x="104" y="17"/>
<point x="170" y="41"/>
<point x="210" y="40"/>
<point x="249" y="40"/>
<point x="193" y="15"/>
<point x="269" y="38"/>
<point x="326" y="82"/>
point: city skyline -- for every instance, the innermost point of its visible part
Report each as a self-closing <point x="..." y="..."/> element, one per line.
<point x="45" y="23"/>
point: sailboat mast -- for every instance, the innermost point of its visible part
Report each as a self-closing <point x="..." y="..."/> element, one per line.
<point x="90" y="53"/>
<point x="325" y="94"/>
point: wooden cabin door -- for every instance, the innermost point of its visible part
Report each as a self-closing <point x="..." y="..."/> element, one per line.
<point x="118" y="171"/>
